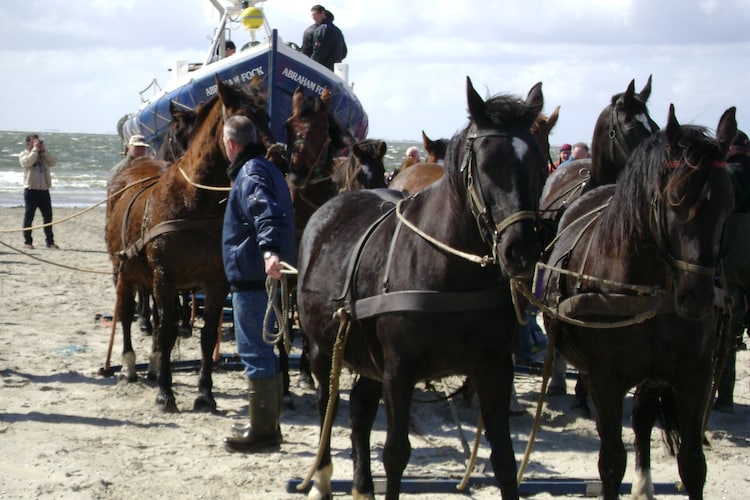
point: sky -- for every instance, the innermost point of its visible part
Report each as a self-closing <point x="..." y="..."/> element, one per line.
<point x="78" y="65"/>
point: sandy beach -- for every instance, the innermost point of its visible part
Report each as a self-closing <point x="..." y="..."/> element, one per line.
<point x="67" y="432"/>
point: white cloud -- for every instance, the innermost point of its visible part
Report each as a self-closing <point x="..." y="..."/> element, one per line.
<point x="78" y="65"/>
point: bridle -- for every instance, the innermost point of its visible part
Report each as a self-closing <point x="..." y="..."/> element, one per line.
<point x="491" y="233"/>
<point x="659" y="230"/>
<point x="314" y="173"/>
<point x="616" y="136"/>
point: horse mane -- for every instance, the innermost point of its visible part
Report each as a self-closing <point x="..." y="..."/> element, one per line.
<point x="502" y="111"/>
<point x="651" y="172"/>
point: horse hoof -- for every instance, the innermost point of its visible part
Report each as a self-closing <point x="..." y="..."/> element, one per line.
<point x="305" y="381"/>
<point x="129" y="377"/>
<point x="205" y="402"/>
<point x="185" y="332"/>
<point x="147" y="330"/>
<point x="168" y="403"/>
<point x="556" y="390"/>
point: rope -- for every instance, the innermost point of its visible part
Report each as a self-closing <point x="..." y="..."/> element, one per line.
<point x="280" y="310"/>
<point x="65" y="219"/>
<point x="339" y="347"/>
<point x="477" y="259"/>
<point x="202" y="186"/>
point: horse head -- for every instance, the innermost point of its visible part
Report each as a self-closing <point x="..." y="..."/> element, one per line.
<point x="621" y="126"/>
<point x="312" y="133"/>
<point x="178" y="134"/>
<point x="435" y="150"/>
<point x="363" y="168"/>
<point x="689" y="212"/>
<point x="501" y="166"/>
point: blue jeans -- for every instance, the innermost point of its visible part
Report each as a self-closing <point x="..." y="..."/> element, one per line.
<point x="258" y="357"/>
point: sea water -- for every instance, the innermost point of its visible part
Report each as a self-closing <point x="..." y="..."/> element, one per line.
<point x="84" y="161"/>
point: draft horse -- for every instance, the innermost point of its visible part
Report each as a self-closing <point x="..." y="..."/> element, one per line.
<point x="618" y="130"/>
<point x="630" y="296"/>
<point x="426" y="281"/>
<point x="165" y="233"/>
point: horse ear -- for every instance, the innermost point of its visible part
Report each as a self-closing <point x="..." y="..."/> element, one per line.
<point x="646" y="90"/>
<point x="297" y="99"/>
<point x="673" y="128"/>
<point x="227" y="95"/>
<point x="727" y="130"/>
<point x="628" y="95"/>
<point x="535" y="99"/>
<point x="426" y="142"/>
<point x="476" y="103"/>
<point x="382" y="148"/>
<point x="325" y="95"/>
<point x="552" y="119"/>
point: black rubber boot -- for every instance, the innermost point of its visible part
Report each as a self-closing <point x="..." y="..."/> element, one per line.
<point x="263" y="432"/>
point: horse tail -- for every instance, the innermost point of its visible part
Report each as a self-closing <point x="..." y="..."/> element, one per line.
<point x="667" y="412"/>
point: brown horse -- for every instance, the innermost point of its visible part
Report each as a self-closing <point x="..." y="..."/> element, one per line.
<point x="165" y="232"/>
<point x="363" y="168"/>
<point x="415" y="178"/>
<point x="434" y="150"/>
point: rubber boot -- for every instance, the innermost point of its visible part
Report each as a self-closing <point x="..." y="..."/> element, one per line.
<point x="263" y="432"/>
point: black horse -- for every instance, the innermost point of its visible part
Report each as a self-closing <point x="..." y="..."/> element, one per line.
<point x="620" y="127"/>
<point x="424" y="304"/>
<point x="630" y="296"/>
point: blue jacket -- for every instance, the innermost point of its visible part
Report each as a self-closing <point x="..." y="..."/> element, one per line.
<point x="259" y="217"/>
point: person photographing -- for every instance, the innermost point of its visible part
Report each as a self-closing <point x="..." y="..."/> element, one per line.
<point x="36" y="162"/>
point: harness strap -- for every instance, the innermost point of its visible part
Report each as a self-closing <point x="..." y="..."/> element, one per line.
<point x="427" y="301"/>
<point x="170" y="226"/>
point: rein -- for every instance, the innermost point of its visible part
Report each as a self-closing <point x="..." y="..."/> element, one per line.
<point x="320" y="160"/>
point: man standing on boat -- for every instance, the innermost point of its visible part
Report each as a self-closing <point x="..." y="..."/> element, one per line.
<point x="329" y="46"/>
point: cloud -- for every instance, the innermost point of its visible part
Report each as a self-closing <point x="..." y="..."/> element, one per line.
<point x="78" y="66"/>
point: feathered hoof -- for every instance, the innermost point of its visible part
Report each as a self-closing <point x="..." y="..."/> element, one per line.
<point x="167" y="402"/>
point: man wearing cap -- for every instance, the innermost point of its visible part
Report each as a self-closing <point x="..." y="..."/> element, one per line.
<point x="137" y="148"/>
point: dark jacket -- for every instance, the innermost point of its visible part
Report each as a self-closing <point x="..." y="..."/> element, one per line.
<point x="307" y="39"/>
<point x="329" y="46"/>
<point x="259" y="217"/>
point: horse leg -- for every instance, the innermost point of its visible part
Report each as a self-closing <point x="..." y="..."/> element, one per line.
<point x="688" y="409"/>
<point x="213" y="312"/>
<point x="165" y="295"/>
<point x="645" y="414"/>
<point x="363" y="402"/>
<point x="558" y="385"/>
<point x="126" y="311"/>
<point x="154" y="360"/>
<point x="184" y="312"/>
<point x="144" y="310"/>
<point x="612" y="456"/>
<point x="398" y="389"/>
<point x="494" y="386"/>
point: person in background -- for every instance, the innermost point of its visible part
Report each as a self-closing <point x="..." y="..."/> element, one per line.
<point x="36" y="162"/>
<point x="412" y="157"/>
<point x="580" y="151"/>
<point x="258" y="234"/>
<point x="229" y="49"/>
<point x="137" y="148"/>
<point x="564" y="156"/>
<point x="329" y="46"/>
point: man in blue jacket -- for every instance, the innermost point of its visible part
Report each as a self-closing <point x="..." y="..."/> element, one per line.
<point x="258" y="234"/>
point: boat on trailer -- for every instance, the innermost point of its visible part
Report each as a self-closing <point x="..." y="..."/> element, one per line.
<point x="281" y="65"/>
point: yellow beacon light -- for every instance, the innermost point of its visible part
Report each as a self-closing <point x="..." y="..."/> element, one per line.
<point x="252" y="18"/>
